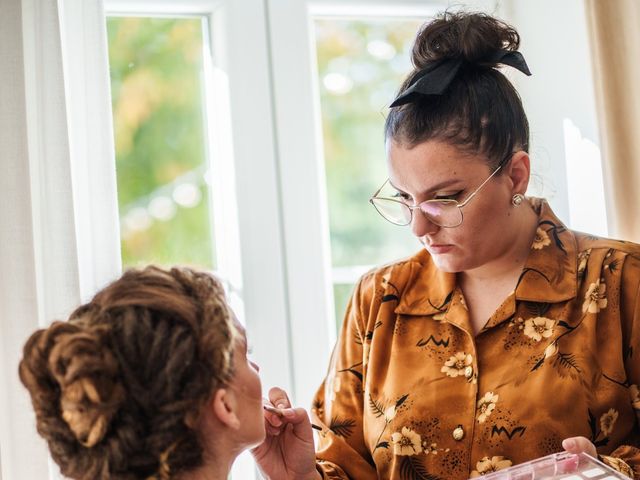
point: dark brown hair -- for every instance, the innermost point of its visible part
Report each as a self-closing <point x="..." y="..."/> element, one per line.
<point x="117" y="388"/>
<point x="480" y="112"/>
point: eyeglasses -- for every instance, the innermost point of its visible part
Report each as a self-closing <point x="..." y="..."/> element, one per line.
<point x="445" y="213"/>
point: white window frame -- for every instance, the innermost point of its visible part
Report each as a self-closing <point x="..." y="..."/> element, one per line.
<point x="241" y="166"/>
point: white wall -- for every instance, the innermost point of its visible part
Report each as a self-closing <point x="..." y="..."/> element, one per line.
<point x="556" y="47"/>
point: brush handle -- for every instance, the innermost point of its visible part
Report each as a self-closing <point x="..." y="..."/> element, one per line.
<point x="278" y="412"/>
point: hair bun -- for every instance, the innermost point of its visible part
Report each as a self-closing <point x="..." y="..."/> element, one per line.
<point x="87" y="372"/>
<point x="472" y="36"/>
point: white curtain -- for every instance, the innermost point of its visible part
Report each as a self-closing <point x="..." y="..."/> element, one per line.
<point x="46" y="198"/>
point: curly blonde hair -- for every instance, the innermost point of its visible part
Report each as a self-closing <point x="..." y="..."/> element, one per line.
<point x="117" y="388"/>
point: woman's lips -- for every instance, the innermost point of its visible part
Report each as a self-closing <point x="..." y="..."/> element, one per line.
<point x="439" y="249"/>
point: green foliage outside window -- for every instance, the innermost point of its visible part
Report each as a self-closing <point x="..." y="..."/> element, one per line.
<point x="361" y="64"/>
<point x="157" y="96"/>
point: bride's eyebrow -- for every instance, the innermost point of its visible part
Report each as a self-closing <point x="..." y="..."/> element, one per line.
<point x="435" y="188"/>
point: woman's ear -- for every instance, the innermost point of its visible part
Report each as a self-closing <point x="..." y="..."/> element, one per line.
<point x="223" y="405"/>
<point x="519" y="170"/>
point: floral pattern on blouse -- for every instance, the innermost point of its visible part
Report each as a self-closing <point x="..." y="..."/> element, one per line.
<point x="412" y="393"/>
<point x="489" y="465"/>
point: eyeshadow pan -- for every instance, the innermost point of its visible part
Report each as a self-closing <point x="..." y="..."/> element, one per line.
<point x="593" y="472"/>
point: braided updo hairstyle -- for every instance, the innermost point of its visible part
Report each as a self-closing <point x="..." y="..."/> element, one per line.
<point x="117" y="388"/>
<point x="481" y="111"/>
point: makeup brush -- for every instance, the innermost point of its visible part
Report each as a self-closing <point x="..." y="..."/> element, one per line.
<point x="278" y="412"/>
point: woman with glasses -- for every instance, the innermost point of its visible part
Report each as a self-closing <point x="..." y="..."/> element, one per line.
<point x="508" y="337"/>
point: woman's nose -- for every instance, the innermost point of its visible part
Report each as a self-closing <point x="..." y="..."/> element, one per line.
<point x="421" y="225"/>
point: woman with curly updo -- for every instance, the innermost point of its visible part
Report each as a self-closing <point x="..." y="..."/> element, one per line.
<point x="149" y="380"/>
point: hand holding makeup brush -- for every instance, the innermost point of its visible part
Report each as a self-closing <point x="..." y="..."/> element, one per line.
<point x="288" y="450"/>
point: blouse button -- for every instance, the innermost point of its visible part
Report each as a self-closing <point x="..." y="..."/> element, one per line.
<point x="468" y="372"/>
<point x="458" y="433"/>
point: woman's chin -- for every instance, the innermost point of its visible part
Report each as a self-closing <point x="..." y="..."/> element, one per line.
<point x="445" y="263"/>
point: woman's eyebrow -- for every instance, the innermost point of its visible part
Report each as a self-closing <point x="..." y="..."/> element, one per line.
<point x="435" y="188"/>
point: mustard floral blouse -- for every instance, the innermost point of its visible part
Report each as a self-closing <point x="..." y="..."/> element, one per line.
<point x="411" y="393"/>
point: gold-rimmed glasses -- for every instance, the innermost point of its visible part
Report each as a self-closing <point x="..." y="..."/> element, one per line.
<point x="445" y="213"/>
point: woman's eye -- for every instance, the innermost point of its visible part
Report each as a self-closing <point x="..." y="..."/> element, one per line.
<point x="449" y="196"/>
<point x="402" y="196"/>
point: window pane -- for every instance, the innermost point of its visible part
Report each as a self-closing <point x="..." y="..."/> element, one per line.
<point x="360" y="66"/>
<point x="156" y="69"/>
<point x="341" y="294"/>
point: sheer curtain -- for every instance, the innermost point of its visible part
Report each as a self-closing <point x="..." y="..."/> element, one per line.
<point x="18" y="282"/>
<point x="43" y="219"/>
<point x="615" y="43"/>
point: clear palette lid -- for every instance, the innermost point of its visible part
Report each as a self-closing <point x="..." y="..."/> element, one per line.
<point x="565" y="466"/>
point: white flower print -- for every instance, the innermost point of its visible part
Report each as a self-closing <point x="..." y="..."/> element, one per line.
<point x="634" y="392"/>
<point x="539" y="328"/>
<point x="457" y="365"/>
<point x="608" y="421"/>
<point x="541" y="239"/>
<point x="595" y="299"/>
<point x="485" y="406"/>
<point x="406" y="442"/>
<point x="519" y="322"/>
<point x="430" y="449"/>
<point x="488" y="465"/>
<point x="583" y="258"/>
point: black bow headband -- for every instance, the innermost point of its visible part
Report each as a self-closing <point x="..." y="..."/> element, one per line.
<point x="434" y="79"/>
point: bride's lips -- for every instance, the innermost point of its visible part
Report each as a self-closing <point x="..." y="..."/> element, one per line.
<point x="439" y="249"/>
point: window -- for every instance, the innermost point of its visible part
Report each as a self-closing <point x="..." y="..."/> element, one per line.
<point x="360" y="63"/>
<point x="156" y="67"/>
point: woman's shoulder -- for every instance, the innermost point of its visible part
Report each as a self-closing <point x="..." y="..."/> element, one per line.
<point x="397" y="271"/>
<point x="585" y="241"/>
<point x="612" y="256"/>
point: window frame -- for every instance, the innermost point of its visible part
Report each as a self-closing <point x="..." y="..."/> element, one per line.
<point x="233" y="117"/>
<point x="302" y="172"/>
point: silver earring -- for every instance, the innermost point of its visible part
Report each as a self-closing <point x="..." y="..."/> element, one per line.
<point x="517" y="199"/>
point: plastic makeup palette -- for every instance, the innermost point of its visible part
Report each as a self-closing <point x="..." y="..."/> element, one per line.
<point x="565" y="466"/>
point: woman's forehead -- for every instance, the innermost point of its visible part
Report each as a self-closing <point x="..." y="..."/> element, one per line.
<point x="432" y="151"/>
<point x="431" y="164"/>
